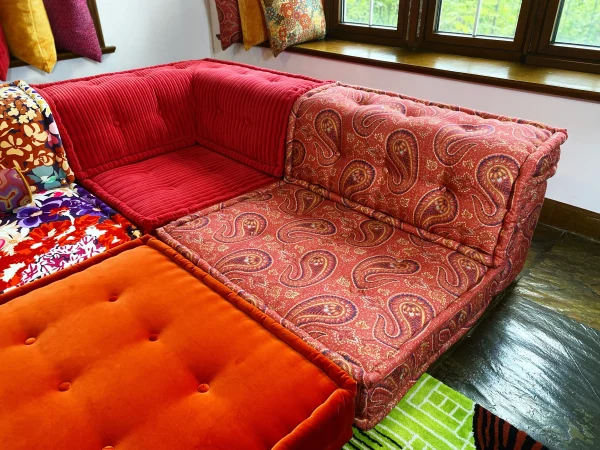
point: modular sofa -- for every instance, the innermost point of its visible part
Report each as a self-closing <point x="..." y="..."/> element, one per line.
<point x="164" y="357"/>
<point x="397" y="222"/>
<point x="162" y="142"/>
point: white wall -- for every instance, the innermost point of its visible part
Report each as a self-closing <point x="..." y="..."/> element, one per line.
<point x="577" y="181"/>
<point x="145" y="32"/>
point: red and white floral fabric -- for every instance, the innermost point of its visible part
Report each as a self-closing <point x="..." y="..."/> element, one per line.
<point x="398" y="221"/>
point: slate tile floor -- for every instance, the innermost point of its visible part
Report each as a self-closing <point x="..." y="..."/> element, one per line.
<point x="534" y="358"/>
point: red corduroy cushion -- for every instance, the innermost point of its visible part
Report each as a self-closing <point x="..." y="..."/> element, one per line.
<point x="158" y="190"/>
<point x="241" y="111"/>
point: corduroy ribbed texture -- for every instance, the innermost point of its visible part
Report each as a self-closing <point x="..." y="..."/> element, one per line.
<point x="243" y="113"/>
<point x="113" y="120"/>
<point x="158" y="190"/>
<point x="120" y="118"/>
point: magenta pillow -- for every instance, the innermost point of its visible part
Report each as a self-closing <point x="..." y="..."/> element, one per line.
<point x="230" y="26"/>
<point x="73" y="27"/>
<point x="4" y="55"/>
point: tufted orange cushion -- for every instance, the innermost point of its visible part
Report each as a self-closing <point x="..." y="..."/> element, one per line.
<point x="130" y="350"/>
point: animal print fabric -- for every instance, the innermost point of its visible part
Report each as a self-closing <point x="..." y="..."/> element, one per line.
<point x="448" y="172"/>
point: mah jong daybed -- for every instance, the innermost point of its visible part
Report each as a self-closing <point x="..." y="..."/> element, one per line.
<point x="397" y="221"/>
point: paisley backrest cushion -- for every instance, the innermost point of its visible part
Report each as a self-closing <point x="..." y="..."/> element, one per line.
<point x="230" y="25"/>
<point x="448" y="172"/>
<point x="29" y="138"/>
<point x="14" y="190"/>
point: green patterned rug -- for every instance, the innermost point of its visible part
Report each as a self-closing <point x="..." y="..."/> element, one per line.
<point x="433" y="416"/>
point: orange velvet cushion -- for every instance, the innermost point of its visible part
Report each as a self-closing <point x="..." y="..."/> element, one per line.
<point x="130" y="350"/>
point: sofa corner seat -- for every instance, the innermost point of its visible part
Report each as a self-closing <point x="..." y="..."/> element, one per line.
<point x="397" y="222"/>
<point x="135" y="138"/>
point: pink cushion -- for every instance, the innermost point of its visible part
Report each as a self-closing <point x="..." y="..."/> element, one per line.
<point x="445" y="172"/>
<point x="4" y="55"/>
<point x="377" y="300"/>
<point x="73" y="27"/>
<point x="230" y="26"/>
<point x="158" y="190"/>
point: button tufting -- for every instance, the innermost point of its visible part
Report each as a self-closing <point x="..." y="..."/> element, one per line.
<point x="203" y="388"/>
<point x="153" y="337"/>
<point x="64" y="386"/>
<point x="29" y="341"/>
<point x="116" y="123"/>
<point x="112" y="298"/>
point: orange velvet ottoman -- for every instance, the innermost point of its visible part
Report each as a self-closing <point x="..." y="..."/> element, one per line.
<point x="137" y="348"/>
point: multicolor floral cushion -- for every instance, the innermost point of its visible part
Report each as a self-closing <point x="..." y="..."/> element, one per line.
<point x="14" y="190"/>
<point x="29" y="138"/>
<point x="290" y="22"/>
<point x="62" y="227"/>
<point x="230" y="25"/>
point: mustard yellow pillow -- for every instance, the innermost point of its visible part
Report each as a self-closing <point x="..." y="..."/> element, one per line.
<point x="28" y="32"/>
<point x="254" y="28"/>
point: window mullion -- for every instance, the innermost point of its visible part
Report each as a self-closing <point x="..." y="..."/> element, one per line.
<point x="371" y="13"/>
<point x="477" y="14"/>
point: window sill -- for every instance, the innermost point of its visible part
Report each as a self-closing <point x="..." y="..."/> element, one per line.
<point x="61" y="56"/>
<point x="566" y="83"/>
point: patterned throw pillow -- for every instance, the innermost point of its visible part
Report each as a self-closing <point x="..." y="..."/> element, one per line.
<point x="14" y="190"/>
<point x="290" y="22"/>
<point x="29" y="138"/>
<point x="28" y="32"/>
<point x="73" y="27"/>
<point x="230" y="25"/>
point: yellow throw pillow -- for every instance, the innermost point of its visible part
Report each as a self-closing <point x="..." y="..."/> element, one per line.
<point x="28" y="32"/>
<point x="254" y="28"/>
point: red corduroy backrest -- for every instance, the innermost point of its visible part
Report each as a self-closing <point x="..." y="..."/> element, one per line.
<point x="240" y="111"/>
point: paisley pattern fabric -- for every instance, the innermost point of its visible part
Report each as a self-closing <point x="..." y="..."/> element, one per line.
<point x="398" y="221"/>
<point x="29" y="138"/>
<point x="449" y="172"/>
<point x="60" y="228"/>
<point x="230" y="25"/>
<point x="355" y="285"/>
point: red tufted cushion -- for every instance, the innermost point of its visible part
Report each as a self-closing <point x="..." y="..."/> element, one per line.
<point x="131" y="350"/>
<point x="114" y="119"/>
<point x="444" y="172"/>
<point x="158" y="190"/>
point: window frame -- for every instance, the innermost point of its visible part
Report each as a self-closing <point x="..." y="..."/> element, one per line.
<point x="416" y="21"/>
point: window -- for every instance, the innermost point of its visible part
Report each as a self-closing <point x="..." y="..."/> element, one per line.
<point x="559" y="33"/>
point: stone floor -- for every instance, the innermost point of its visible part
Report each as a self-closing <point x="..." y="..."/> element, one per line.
<point x="534" y="358"/>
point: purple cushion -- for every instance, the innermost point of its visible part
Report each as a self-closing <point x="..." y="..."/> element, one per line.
<point x="14" y="190"/>
<point x="73" y="27"/>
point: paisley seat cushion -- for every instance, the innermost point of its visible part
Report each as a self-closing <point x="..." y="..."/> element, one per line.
<point x="358" y="289"/>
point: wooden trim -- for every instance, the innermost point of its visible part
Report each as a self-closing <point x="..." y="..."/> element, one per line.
<point x="61" y="56"/>
<point x="514" y="75"/>
<point x="571" y="218"/>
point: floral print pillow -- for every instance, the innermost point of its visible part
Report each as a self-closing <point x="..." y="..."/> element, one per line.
<point x="290" y="22"/>
<point x="29" y="138"/>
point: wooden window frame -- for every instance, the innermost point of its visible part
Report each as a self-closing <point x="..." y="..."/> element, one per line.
<point x="416" y="30"/>
<point x="61" y="56"/>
